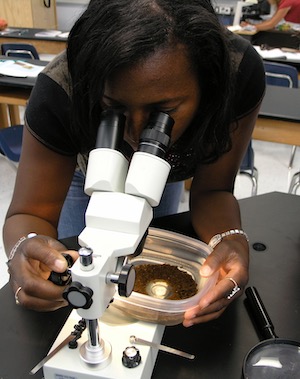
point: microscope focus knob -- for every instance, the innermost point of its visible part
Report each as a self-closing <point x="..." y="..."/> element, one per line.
<point x="126" y="280"/>
<point x="131" y="357"/>
<point x="78" y="296"/>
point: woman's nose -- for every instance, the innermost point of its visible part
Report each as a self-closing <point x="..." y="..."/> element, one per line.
<point x="135" y="123"/>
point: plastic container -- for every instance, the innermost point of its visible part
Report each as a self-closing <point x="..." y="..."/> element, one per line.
<point x="165" y="247"/>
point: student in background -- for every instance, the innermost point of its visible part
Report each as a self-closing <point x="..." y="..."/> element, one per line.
<point x="286" y="11"/>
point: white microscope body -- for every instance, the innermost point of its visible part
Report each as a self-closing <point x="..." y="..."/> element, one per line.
<point x="117" y="218"/>
<point x="239" y="10"/>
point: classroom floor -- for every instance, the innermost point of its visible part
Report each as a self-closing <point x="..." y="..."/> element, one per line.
<point x="271" y="160"/>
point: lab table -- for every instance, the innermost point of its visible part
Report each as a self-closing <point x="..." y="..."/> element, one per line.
<point x="15" y="92"/>
<point x="279" y="116"/>
<point x="273" y="38"/>
<point x="272" y="223"/>
<point x="43" y="45"/>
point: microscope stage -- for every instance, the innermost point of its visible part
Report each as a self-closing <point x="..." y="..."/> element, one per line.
<point x="115" y="329"/>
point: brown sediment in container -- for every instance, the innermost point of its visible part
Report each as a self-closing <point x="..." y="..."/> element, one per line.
<point x="164" y="281"/>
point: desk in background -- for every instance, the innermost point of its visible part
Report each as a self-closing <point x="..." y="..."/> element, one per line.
<point x="279" y="116"/>
<point x="15" y="92"/>
<point x="44" y="45"/>
<point x="219" y="345"/>
<point x="273" y="38"/>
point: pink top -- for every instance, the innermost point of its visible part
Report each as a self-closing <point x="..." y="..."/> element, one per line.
<point x="293" y="14"/>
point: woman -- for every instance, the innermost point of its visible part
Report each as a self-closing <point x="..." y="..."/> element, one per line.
<point x="172" y="56"/>
<point x="286" y="10"/>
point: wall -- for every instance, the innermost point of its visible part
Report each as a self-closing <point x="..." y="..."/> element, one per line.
<point x="68" y="11"/>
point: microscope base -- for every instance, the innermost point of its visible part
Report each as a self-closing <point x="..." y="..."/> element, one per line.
<point x="116" y="329"/>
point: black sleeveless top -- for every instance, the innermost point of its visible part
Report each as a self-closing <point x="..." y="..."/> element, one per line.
<point x="47" y="113"/>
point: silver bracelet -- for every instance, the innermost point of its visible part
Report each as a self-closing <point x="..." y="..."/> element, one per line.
<point x="215" y="240"/>
<point x="16" y="246"/>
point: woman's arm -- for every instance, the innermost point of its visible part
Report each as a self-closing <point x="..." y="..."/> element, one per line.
<point x="42" y="183"/>
<point x="215" y="210"/>
<point x="272" y="22"/>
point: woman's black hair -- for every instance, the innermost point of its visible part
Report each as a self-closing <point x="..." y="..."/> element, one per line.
<point x="112" y="34"/>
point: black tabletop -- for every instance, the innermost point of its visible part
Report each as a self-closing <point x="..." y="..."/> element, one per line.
<point x="272" y="223"/>
<point x="281" y="103"/>
<point x="28" y="83"/>
<point x="277" y="38"/>
<point x="30" y="33"/>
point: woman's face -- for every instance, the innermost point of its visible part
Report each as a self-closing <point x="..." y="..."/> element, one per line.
<point x="163" y="82"/>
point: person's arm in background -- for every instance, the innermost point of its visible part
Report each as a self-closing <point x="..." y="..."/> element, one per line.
<point x="270" y="24"/>
<point x="42" y="183"/>
<point x="3" y="24"/>
<point x="215" y="210"/>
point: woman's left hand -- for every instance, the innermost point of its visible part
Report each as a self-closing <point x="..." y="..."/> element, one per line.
<point x="230" y="258"/>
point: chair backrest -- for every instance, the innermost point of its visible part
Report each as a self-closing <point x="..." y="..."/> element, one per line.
<point x="11" y="142"/>
<point x="282" y="75"/>
<point x="19" y="50"/>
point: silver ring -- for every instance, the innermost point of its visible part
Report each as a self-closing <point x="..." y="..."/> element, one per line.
<point x="16" y="295"/>
<point x="235" y="289"/>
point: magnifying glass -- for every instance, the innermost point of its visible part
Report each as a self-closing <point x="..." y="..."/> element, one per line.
<point x="274" y="357"/>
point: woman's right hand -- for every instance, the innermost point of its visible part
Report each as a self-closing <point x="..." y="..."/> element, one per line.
<point x="30" y="268"/>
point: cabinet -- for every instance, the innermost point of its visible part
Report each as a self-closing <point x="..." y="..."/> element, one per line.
<point x="29" y="13"/>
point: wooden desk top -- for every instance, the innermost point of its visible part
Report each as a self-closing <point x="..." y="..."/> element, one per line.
<point x="279" y="117"/>
<point x="271" y="130"/>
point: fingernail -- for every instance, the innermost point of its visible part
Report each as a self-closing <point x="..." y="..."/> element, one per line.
<point x="205" y="271"/>
<point x="190" y="317"/>
<point x="60" y="264"/>
<point x="188" y="324"/>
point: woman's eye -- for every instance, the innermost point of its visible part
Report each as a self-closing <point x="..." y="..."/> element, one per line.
<point x="116" y="107"/>
<point x="166" y="110"/>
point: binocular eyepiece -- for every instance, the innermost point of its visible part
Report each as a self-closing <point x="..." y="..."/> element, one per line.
<point x="155" y="138"/>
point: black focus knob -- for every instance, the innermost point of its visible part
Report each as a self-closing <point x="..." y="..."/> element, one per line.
<point x="126" y="280"/>
<point x="131" y="357"/>
<point x="78" y="296"/>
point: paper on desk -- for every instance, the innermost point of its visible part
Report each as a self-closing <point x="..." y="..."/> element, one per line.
<point x="239" y="28"/>
<point x="278" y="53"/>
<point x="48" y="33"/>
<point x="9" y="31"/>
<point x="273" y="53"/>
<point x="63" y="35"/>
<point x="19" y="69"/>
<point x="292" y="56"/>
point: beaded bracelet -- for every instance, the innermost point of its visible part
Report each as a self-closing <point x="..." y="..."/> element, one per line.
<point x="215" y="240"/>
<point x="16" y="246"/>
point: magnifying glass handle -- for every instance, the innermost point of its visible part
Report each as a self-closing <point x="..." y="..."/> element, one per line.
<point x="260" y="314"/>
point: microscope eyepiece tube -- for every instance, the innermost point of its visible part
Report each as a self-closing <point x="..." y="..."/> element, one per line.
<point x="148" y="171"/>
<point x="155" y="138"/>
<point x="111" y="130"/>
<point x="107" y="166"/>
